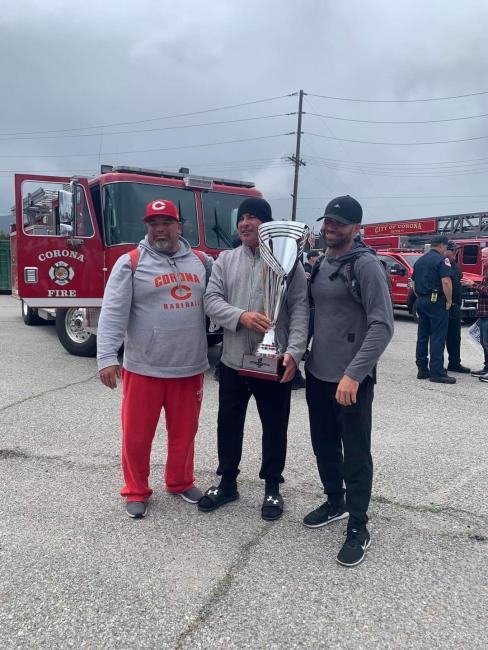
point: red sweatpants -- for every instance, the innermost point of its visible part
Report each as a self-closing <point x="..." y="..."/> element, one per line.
<point x="142" y="401"/>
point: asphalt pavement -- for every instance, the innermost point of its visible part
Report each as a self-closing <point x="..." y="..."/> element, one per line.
<point x="76" y="572"/>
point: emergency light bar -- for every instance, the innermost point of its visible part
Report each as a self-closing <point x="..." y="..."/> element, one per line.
<point x="195" y="182"/>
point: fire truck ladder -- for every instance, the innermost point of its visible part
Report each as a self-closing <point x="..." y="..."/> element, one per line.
<point x="464" y="225"/>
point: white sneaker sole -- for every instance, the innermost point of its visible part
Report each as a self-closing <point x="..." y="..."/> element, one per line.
<point x="359" y="561"/>
<point x="329" y="521"/>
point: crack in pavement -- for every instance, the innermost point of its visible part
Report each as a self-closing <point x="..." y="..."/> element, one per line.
<point x="433" y="509"/>
<point x="223" y="586"/>
<point x="14" y="453"/>
<point x="47" y="391"/>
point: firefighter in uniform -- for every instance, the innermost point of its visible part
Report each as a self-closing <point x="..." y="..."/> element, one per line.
<point x="433" y="287"/>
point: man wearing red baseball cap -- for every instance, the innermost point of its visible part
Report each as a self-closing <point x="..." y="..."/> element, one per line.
<point x="153" y="303"/>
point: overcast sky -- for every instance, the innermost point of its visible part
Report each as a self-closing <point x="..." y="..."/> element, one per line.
<point x="94" y="64"/>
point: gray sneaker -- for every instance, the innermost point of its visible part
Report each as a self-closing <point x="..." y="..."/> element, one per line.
<point x="193" y="495"/>
<point x="136" y="509"/>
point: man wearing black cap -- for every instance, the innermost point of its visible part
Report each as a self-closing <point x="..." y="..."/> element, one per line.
<point x="433" y="287"/>
<point x="234" y="299"/>
<point x="353" y="326"/>
<point x="453" y="340"/>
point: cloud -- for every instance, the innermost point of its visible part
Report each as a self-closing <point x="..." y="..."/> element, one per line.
<point x="126" y="62"/>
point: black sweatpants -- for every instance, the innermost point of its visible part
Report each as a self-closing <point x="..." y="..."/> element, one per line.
<point x="453" y="339"/>
<point x="273" y="403"/>
<point x="341" y="441"/>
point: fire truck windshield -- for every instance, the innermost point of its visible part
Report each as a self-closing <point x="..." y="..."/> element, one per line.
<point x="220" y="218"/>
<point x="124" y="204"/>
<point x="411" y="258"/>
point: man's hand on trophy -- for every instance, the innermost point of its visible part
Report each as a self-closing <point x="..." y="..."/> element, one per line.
<point x="253" y="320"/>
<point x="290" y="368"/>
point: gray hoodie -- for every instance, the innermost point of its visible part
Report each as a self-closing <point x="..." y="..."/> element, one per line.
<point x="350" y="336"/>
<point x="157" y="313"/>
<point x="236" y="286"/>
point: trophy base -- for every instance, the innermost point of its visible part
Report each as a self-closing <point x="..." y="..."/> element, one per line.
<point x="268" y="368"/>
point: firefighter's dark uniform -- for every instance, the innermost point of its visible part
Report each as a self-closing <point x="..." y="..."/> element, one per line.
<point x="431" y="308"/>
<point x="453" y="340"/>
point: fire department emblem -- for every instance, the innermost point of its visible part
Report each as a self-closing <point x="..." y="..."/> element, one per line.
<point x="61" y="273"/>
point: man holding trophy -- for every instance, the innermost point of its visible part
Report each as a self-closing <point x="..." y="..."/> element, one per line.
<point x="255" y="290"/>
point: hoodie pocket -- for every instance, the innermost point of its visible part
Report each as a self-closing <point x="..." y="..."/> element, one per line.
<point x="169" y="349"/>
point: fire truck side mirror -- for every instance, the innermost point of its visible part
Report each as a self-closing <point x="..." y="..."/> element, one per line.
<point x="397" y="269"/>
<point x="65" y="212"/>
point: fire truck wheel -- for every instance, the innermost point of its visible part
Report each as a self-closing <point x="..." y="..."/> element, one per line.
<point x="30" y="316"/>
<point x="70" y="328"/>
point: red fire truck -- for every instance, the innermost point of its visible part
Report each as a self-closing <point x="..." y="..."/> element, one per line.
<point x="400" y="243"/>
<point x="69" y="232"/>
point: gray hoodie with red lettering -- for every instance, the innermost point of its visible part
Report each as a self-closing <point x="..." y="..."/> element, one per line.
<point x="157" y="312"/>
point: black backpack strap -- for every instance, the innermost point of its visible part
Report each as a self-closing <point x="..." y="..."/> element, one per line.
<point x="313" y="275"/>
<point x="348" y="276"/>
<point x="316" y="267"/>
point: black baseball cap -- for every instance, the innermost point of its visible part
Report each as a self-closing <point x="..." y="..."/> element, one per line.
<point x="439" y="240"/>
<point x="344" y="209"/>
<point x="451" y="245"/>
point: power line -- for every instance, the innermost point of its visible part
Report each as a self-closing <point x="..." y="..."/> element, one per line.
<point x="429" y="163"/>
<point x="472" y="166"/>
<point x="447" y="119"/>
<point x="253" y="162"/>
<point x="155" y="129"/>
<point x="398" y="144"/>
<point x="119" y="153"/>
<point x="399" y="101"/>
<point x="152" y="119"/>
<point x="407" y="174"/>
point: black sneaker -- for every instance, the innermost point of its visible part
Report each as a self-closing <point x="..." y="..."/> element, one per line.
<point x="423" y="373"/>
<point x="479" y="373"/>
<point x="354" y="549"/>
<point x="484" y="378"/>
<point x="325" y="514"/>
<point x="443" y="379"/>
<point x="459" y="368"/>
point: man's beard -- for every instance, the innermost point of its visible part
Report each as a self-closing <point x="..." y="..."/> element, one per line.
<point x="339" y="242"/>
<point x="163" y="245"/>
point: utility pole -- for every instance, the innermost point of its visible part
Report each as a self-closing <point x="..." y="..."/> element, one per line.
<point x="296" y="158"/>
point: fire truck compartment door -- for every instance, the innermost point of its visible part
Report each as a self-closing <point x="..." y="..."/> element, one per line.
<point x="60" y="255"/>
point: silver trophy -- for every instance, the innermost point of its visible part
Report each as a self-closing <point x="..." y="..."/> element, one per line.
<point x="281" y="245"/>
